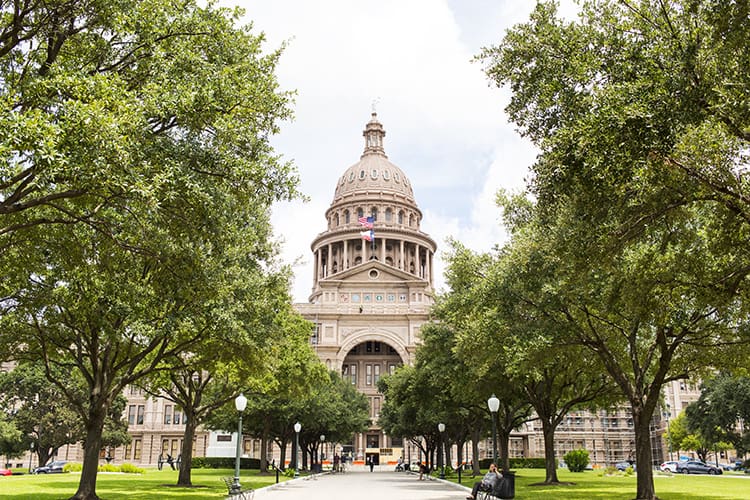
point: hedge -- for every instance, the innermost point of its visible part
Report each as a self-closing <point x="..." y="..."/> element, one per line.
<point x="225" y="463"/>
<point x="516" y="463"/>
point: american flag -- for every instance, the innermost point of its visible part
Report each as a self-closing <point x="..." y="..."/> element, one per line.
<point x="367" y="221"/>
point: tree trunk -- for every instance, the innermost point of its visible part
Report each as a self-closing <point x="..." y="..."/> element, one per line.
<point x="91" y="447"/>
<point x="43" y="456"/>
<point x="184" y="479"/>
<point x="503" y="438"/>
<point x="264" y="452"/>
<point x="550" y="464"/>
<point x="282" y="454"/>
<point x="643" y="455"/>
<point x="475" y="470"/>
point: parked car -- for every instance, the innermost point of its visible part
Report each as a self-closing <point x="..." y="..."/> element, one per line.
<point x="624" y="465"/>
<point x="55" y="467"/>
<point x="727" y="466"/>
<point x="669" y="466"/>
<point x="5" y="472"/>
<point x="697" y="467"/>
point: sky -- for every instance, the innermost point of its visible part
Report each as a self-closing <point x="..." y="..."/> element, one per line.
<point x="445" y="125"/>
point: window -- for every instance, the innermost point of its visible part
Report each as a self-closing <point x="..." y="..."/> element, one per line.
<point x="360" y="212"/>
<point x="136" y="449"/>
<point x="167" y="414"/>
<point x="131" y="415"/>
<point x="177" y="416"/>
<point x="373" y="440"/>
<point x="388" y="215"/>
<point x="141" y="413"/>
<point x="368" y="374"/>
<point x="392" y="370"/>
<point x="128" y="450"/>
<point x="377" y="374"/>
<point x="353" y="371"/>
<point x="346" y="216"/>
<point x="401" y="217"/>
<point x="175" y="448"/>
<point x="374" y="213"/>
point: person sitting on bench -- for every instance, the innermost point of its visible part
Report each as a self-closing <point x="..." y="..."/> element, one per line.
<point x="487" y="483"/>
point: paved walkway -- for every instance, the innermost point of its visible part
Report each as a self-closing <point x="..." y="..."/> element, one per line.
<point x="361" y="484"/>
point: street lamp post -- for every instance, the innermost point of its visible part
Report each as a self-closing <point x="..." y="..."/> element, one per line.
<point x="322" y="444"/>
<point x="441" y="464"/>
<point x="669" y="436"/>
<point x="494" y="404"/>
<point x="240" y="402"/>
<point x="297" y="428"/>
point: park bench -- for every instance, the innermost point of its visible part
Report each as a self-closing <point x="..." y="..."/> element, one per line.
<point x="504" y="488"/>
<point x="234" y="494"/>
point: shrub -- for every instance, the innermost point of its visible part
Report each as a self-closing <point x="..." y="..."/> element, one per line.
<point x="72" y="467"/>
<point x="131" y="469"/>
<point x="109" y="468"/>
<point x="577" y="460"/>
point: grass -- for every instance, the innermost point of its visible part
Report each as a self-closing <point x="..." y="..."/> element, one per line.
<point x="591" y="485"/>
<point x="207" y="484"/>
<point x="160" y="484"/>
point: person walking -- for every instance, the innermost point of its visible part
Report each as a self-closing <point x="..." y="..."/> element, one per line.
<point x="371" y="462"/>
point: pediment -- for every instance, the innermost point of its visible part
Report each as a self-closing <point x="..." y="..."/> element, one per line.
<point x="372" y="272"/>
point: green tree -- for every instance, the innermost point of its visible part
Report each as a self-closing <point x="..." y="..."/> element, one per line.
<point x="515" y="337"/>
<point x="202" y="381"/>
<point x="39" y="409"/>
<point x="140" y="155"/>
<point x="478" y="367"/>
<point x="638" y="109"/>
<point x="718" y="413"/>
<point x="411" y="410"/>
<point x="12" y="442"/>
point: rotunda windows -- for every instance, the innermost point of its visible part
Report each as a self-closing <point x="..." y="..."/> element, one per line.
<point x="374" y="173"/>
<point x="362" y="175"/>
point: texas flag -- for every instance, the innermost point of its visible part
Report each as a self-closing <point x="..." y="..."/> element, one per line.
<point x="367" y="221"/>
<point x="368" y="235"/>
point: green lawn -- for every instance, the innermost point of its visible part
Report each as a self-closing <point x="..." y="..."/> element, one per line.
<point x="208" y="484"/>
<point x="590" y="485"/>
<point x="154" y="484"/>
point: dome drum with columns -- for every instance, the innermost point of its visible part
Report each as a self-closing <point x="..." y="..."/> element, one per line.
<point x="370" y="299"/>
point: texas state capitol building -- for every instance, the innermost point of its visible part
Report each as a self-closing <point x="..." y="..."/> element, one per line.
<point x="370" y="298"/>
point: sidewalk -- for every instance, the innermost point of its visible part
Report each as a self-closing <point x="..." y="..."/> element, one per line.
<point x="361" y="484"/>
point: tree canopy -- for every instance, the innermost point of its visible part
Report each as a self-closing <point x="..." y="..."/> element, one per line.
<point x="640" y="112"/>
<point x="136" y="178"/>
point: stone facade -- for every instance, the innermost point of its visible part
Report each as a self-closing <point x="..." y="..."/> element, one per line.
<point x="370" y="297"/>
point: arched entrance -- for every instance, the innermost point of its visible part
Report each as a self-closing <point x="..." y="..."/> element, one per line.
<point x="363" y="366"/>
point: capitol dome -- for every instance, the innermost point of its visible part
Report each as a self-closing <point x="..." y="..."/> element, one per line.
<point x="374" y="173"/>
